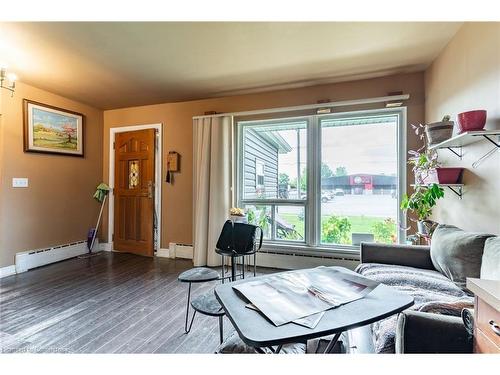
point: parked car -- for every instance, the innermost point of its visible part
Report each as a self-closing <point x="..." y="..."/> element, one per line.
<point x="326" y="196"/>
<point x="339" y="192"/>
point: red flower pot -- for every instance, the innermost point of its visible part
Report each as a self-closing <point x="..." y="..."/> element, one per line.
<point x="444" y="176"/>
<point x="471" y="120"/>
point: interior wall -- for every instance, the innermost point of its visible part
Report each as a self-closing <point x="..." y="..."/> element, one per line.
<point x="57" y="207"/>
<point x="466" y="76"/>
<point x="177" y="132"/>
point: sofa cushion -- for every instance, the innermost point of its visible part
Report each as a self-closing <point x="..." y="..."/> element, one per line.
<point x="432" y="292"/>
<point x="490" y="265"/>
<point x="457" y="254"/>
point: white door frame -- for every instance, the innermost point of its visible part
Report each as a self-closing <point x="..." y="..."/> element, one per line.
<point x="158" y="176"/>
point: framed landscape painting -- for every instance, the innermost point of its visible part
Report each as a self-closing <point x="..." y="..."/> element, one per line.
<point x="52" y="130"/>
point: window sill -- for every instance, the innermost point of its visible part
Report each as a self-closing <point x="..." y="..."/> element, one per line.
<point x="350" y="252"/>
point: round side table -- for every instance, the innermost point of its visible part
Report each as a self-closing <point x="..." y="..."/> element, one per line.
<point x="197" y="275"/>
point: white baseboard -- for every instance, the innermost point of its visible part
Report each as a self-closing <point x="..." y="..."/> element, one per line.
<point x="7" y="271"/>
<point x="163" y="253"/>
<point x="106" y="246"/>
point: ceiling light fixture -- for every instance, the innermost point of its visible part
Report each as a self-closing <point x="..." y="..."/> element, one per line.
<point x="7" y="80"/>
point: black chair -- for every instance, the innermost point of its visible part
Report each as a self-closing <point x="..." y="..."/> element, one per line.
<point x="238" y="240"/>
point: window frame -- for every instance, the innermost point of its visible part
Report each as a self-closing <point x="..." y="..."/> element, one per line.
<point x="312" y="204"/>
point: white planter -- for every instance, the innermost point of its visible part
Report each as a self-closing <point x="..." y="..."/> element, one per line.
<point x="238" y="219"/>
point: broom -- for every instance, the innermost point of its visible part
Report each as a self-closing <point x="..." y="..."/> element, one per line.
<point x="100" y="195"/>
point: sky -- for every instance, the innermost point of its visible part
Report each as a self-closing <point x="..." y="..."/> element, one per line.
<point x="52" y="120"/>
<point x="367" y="148"/>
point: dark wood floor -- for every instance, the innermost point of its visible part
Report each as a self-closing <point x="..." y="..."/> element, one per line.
<point x="112" y="303"/>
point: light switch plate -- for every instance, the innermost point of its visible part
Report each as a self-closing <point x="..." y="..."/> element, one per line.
<point x="19" y="182"/>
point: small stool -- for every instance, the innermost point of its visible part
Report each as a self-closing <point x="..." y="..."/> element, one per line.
<point x="201" y="304"/>
<point x="207" y="304"/>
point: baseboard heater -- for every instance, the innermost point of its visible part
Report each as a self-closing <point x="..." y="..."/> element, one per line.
<point x="178" y="250"/>
<point x="290" y="260"/>
<point x="27" y="260"/>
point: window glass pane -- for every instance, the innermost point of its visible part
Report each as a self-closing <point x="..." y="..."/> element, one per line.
<point x="260" y="215"/>
<point x="133" y="174"/>
<point x="290" y="223"/>
<point x="359" y="180"/>
<point x="274" y="160"/>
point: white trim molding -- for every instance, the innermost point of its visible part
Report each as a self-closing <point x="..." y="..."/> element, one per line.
<point x="163" y="253"/>
<point x="105" y="246"/>
<point x="342" y="103"/>
<point x="158" y="175"/>
<point x="7" y="271"/>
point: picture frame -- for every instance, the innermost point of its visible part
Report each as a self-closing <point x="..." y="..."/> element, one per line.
<point x="53" y="130"/>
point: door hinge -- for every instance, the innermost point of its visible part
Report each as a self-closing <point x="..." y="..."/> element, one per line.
<point x="113" y="145"/>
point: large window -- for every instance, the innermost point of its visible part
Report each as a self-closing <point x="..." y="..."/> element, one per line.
<point x="325" y="181"/>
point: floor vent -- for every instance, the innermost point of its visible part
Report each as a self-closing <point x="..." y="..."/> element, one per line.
<point x="27" y="260"/>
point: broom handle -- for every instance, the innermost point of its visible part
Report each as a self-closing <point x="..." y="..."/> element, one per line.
<point x="97" y="225"/>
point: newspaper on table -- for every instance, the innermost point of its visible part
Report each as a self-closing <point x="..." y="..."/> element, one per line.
<point x="310" y="321"/>
<point x="296" y="296"/>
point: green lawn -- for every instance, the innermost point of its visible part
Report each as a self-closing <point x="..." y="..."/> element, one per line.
<point x="359" y="224"/>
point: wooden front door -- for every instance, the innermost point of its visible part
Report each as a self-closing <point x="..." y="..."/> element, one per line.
<point x="134" y="192"/>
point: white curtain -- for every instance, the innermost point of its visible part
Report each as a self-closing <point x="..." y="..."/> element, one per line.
<point x="212" y="145"/>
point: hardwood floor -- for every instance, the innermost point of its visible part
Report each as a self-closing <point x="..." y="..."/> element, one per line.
<point x="112" y="303"/>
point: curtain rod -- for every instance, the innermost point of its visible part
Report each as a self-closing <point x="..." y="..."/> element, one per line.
<point x="341" y="103"/>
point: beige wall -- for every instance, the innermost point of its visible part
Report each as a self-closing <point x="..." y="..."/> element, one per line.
<point x="57" y="207"/>
<point x="177" y="127"/>
<point x="466" y="76"/>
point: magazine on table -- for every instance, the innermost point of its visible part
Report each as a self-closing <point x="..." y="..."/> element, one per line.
<point x="310" y="321"/>
<point x="297" y="295"/>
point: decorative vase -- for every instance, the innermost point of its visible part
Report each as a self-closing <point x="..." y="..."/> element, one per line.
<point x="438" y="132"/>
<point x="238" y="219"/>
<point x="426" y="227"/>
<point x="471" y="120"/>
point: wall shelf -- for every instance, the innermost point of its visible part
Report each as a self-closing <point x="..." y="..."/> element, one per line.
<point x="455" y="188"/>
<point x="464" y="139"/>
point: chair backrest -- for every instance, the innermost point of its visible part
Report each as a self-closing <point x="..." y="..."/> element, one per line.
<point x="239" y="238"/>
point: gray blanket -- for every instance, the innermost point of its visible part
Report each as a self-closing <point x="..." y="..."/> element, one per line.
<point x="431" y="291"/>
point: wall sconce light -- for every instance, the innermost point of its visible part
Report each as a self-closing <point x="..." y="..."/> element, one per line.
<point x="7" y="80"/>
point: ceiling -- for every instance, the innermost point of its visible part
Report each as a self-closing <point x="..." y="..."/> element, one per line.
<point x="122" y="64"/>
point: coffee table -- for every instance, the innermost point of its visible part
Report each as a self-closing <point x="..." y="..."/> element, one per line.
<point x="257" y="331"/>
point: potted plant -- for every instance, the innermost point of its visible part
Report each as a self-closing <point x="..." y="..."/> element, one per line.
<point x="424" y="163"/>
<point x="421" y="203"/>
<point x="424" y="160"/>
<point x="426" y="167"/>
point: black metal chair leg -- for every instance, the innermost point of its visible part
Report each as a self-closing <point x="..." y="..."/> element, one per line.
<point x="221" y="328"/>
<point x="223" y="271"/>
<point x="243" y="266"/>
<point x="233" y="268"/>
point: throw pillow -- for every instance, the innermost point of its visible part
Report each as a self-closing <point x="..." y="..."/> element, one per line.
<point x="490" y="267"/>
<point x="457" y="254"/>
